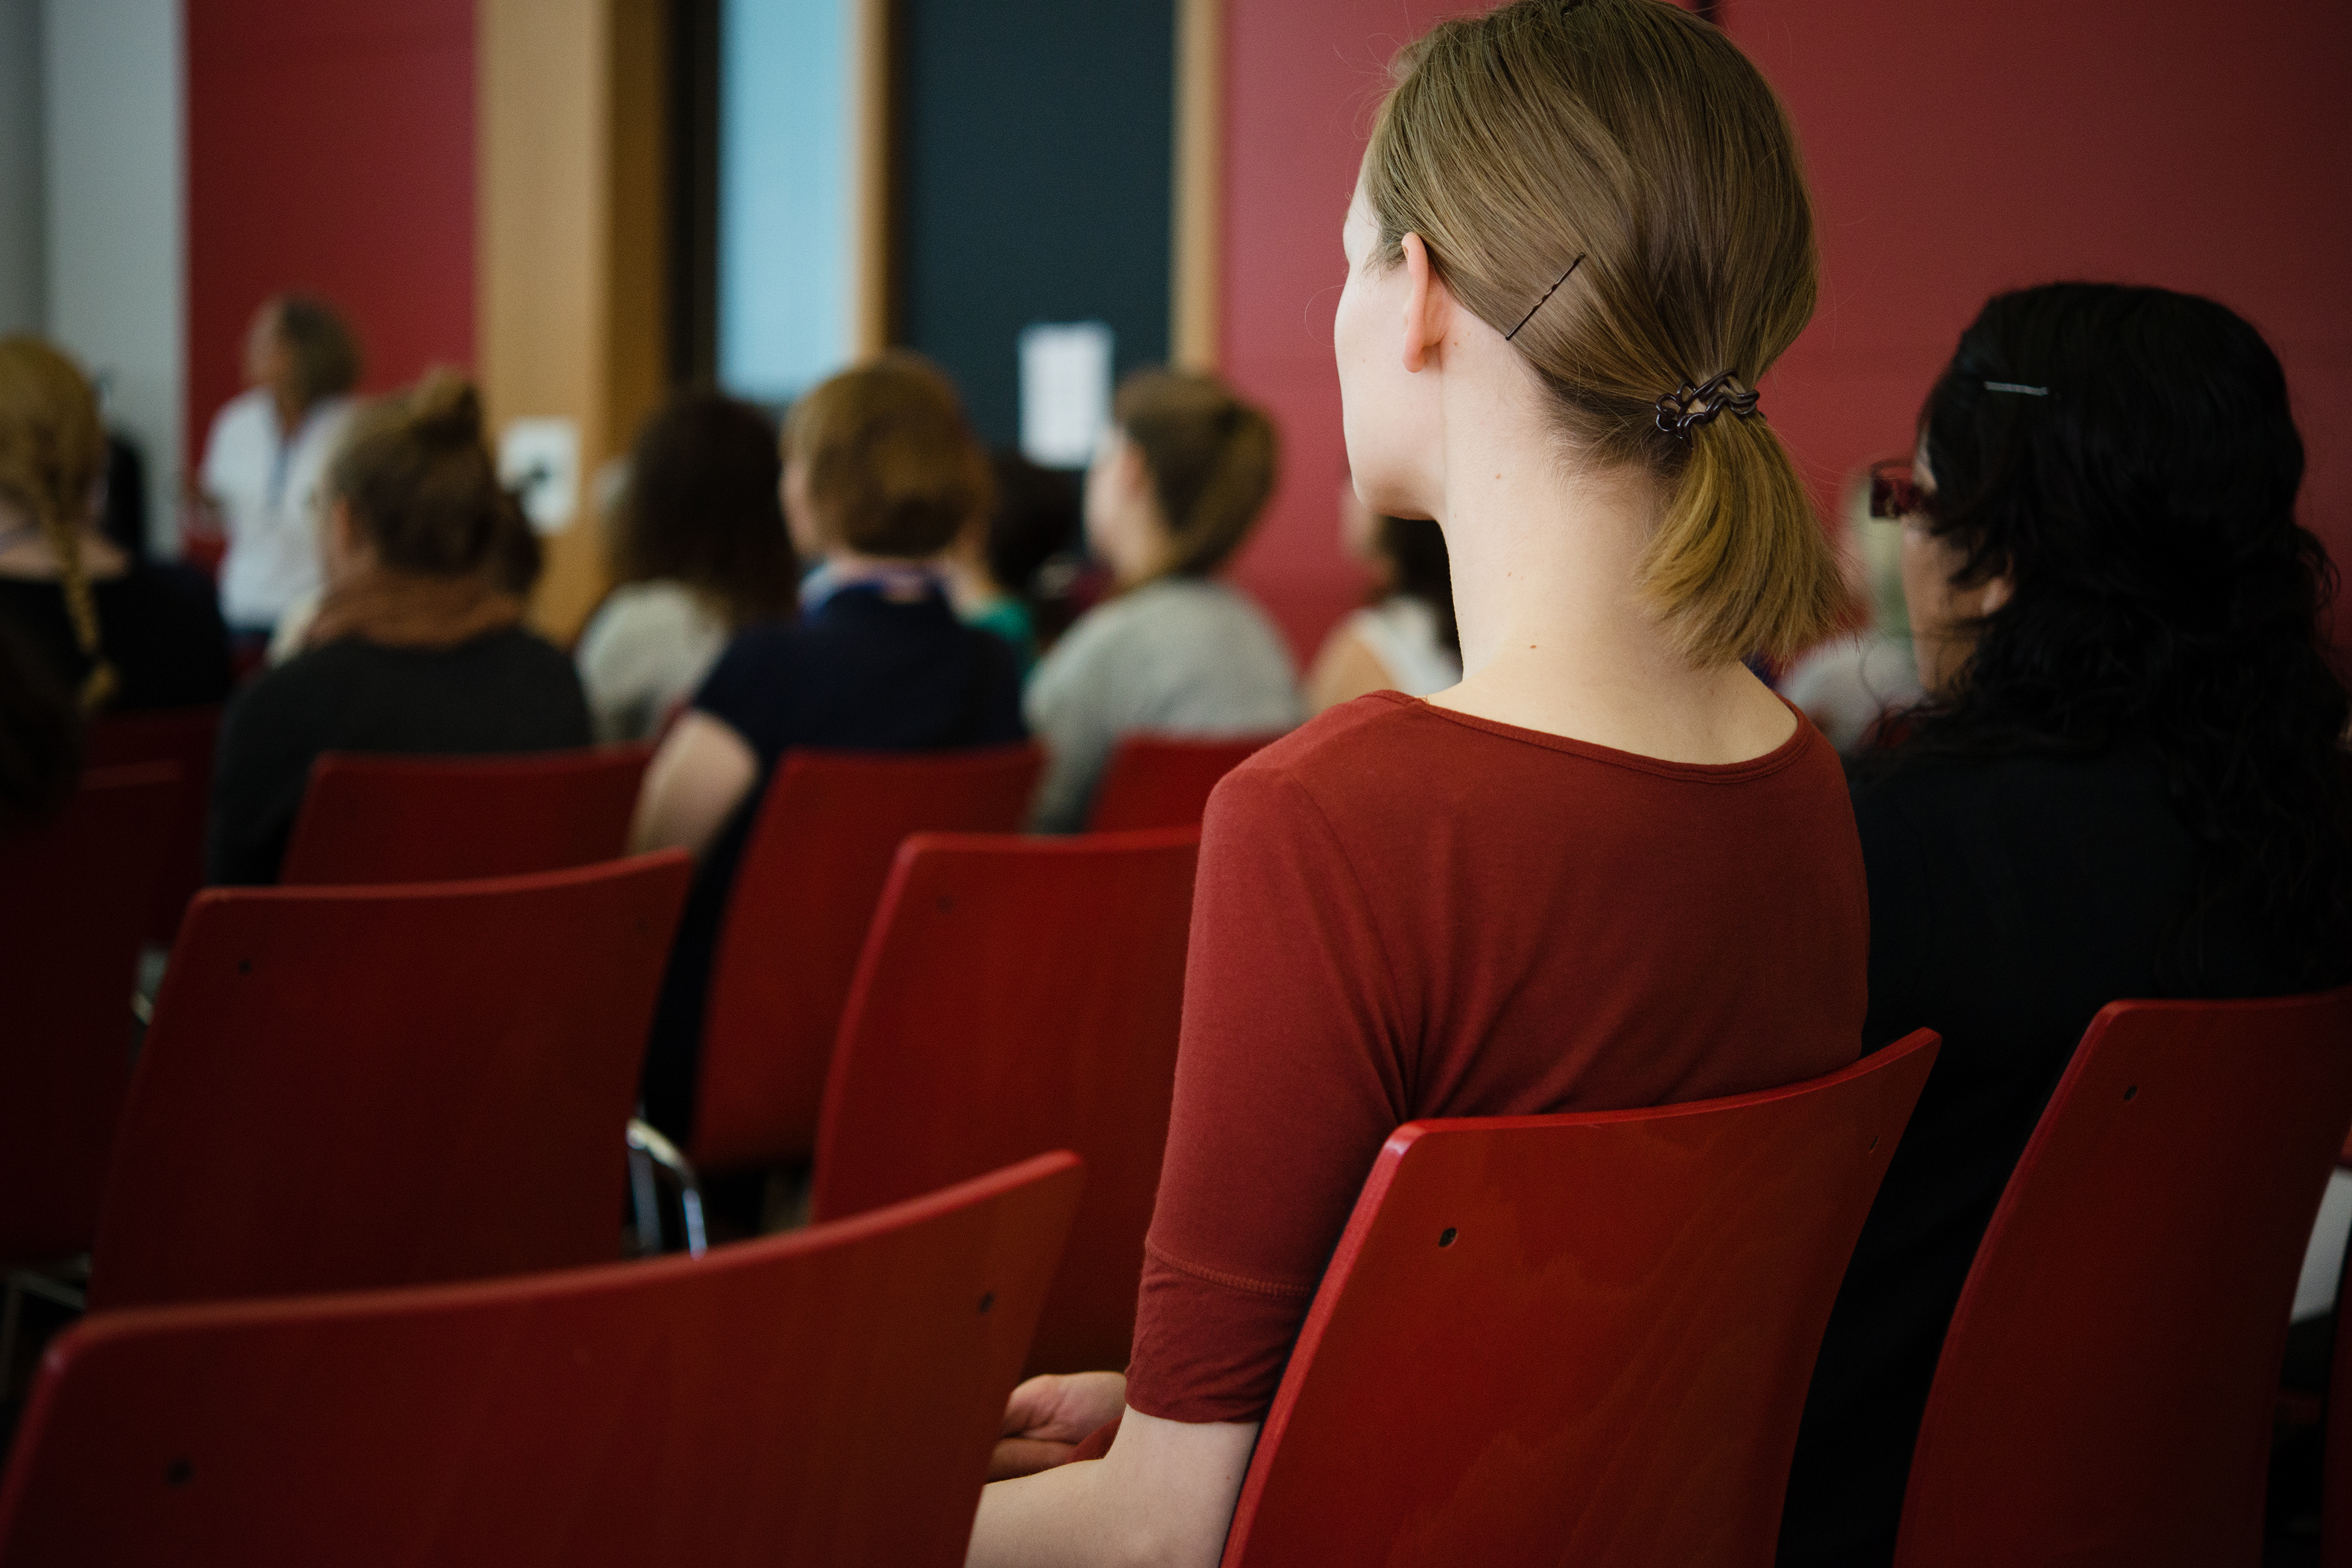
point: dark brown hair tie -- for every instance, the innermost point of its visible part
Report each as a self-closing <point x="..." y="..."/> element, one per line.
<point x="1688" y="407"/>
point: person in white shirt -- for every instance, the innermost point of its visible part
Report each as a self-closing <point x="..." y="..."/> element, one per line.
<point x="267" y="452"/>
<point x="1406" y="641"/>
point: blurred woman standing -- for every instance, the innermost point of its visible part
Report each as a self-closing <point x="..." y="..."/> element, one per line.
<point x="266" y="456"/>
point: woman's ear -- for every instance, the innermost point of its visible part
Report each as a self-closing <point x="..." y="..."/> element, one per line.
<point x="1428" y="304"/>
<point x="1994" y="594"/>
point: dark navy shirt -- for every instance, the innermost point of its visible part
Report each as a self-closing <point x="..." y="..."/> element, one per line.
<point x="861" y="670"/>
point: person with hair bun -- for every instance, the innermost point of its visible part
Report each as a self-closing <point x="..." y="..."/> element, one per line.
<point x="699" y="553"/>
<point x="417" y="645"/>
<point x="1568" y="883"/>
<point x="267" y="454"/>
<point x="115" y="633"/>
<point x="1181" y="480"/>
<point x="2127" y="779"/>
<point x="881" y="475"/>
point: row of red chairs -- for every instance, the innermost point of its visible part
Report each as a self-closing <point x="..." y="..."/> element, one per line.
<point x="1488" y="1373"/>
<point x="2219" y="1230"/>
<point x="1114" y="914"/>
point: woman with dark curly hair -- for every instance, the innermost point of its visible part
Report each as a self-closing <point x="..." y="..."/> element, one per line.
<point x="2127" y="779"/>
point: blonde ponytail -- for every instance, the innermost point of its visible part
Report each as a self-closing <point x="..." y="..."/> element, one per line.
<point x="1740" y="563"/>
<point x="52" y="450"/>
<point x="1612" y="185"/>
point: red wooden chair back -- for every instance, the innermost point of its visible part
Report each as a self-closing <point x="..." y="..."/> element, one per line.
<point x="184" y="736"/>
<point x="1020" y="995"/>
<point x="2107" y="1388"/>
<point x="1163" y="781"/>
<point x="804" y="892"/>
<point x="372" y="819"/>
<point x="1575" y="1339"/>
<point x="826" y="1396"/>
<point x="76" y="891"/>
<point x="356" y="1088"/>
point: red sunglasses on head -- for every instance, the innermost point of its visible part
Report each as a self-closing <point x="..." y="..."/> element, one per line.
<point x="1893" y="493"/>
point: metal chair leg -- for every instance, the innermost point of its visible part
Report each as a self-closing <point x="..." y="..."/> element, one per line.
<point x="652" y="1149"/>
<point x="49" y="1287"/>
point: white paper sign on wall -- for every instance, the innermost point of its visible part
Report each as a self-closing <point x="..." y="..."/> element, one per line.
<point x="1064" y="391"/>
<point x="540" y="460"/>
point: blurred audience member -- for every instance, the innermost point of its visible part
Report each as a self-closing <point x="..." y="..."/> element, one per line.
<point x="699" y="552"/>
<point x="2127" y="779"/>
<point x="992" y="570"/>
<point x="268" y="452"/>
<point x="417" y="645"/>
<point x="1848" y="683"/>
<point x="881" y="476"/>
<point x="1178" y="484"/>
<point x="1406" y="639"/>
<point x="119" y="634"/>
<point x="40" y="735"/>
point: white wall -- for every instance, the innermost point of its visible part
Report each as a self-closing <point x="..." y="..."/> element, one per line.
<point x="116" y="195"/>
<point x="23" y="306"/>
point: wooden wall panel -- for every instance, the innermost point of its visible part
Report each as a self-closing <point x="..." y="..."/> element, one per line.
<point x="570" y="288"/>
<point x="1199" y="183"/>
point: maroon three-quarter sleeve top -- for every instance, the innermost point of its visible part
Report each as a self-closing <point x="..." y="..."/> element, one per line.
<point x="1404" y="911"/>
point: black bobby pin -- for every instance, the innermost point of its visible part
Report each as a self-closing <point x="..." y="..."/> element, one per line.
<point x="2017" y="386"/>
<point x="1547" y="294"/>
<point x="1688" y="407"/>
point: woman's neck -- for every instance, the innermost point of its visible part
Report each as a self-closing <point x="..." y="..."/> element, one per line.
<point x="1546" y="557"/>
<point x="26" y="551"/>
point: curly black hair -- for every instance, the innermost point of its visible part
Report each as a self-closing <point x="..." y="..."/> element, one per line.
<point x="2127" y="457"/>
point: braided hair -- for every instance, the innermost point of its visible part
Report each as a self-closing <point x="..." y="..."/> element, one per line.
<point x="52" y="451"/>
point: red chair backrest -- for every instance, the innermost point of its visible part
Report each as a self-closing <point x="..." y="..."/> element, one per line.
<point x="826" y="1396"/>
<point x="812" y="872"/>
<point x="186" y="736"/>
<point x="351" y="1089"/>
<point x="1575" y="1339"/>
<point x="76" y="891"/>
<point x="1020" y="995"/>
<point x="372" y="819"/>
<point x="2107" y="1387"/>
<point x="1163" y="781"/>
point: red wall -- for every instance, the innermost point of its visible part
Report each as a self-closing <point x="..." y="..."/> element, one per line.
<point x="1955" y="151"/>
<point x="330" y="147"/>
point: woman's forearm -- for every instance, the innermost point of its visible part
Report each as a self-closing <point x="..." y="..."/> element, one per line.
<point x="1160" y="1499"/>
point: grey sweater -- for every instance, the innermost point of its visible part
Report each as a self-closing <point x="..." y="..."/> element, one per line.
<point x="1181" y="656"/>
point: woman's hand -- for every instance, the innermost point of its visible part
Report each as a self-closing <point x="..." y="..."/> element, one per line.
<point x="1048" y="1416"/>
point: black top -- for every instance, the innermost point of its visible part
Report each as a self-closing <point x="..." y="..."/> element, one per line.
<point x="159" y="625"/>
<point x="2011" y="900"/>
<point x="503" y="692"/>
<point x="858" y="672"/>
